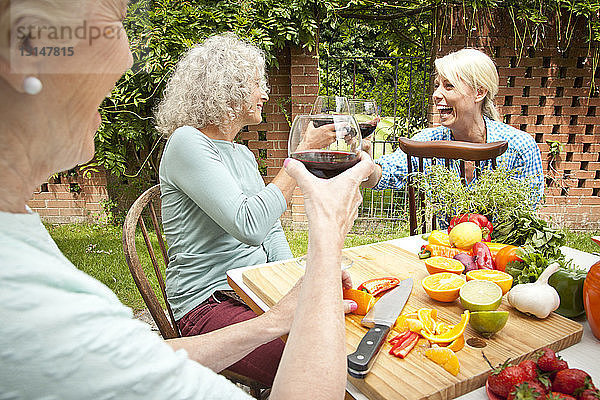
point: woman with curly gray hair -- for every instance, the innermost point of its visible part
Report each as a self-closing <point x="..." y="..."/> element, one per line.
<point x="217" y="212"/>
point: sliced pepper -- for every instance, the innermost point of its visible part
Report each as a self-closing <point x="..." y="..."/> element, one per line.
<point x="379" y="285"/>
<point x="400" y="337"/>
<point x="402" y="348"/>
<point x="432" y="250"/>
<point x="482" y="256"/>
<point x="481" y="220"/>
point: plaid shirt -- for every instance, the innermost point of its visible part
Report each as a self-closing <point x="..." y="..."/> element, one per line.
<point x="522" y="154"/>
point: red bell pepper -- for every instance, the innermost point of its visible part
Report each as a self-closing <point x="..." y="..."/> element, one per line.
<point x="483" y="256"/>
<point x="399" y="338"/>
<point x="402" y="348"/>
<point x="378" y="285"/>
<point x="481" y="220"/>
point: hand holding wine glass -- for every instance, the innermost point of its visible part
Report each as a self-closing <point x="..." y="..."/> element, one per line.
<point x="366" y="113"/>
<point x="326" y="144"/>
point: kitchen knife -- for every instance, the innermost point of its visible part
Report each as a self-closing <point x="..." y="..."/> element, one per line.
<point x="381" y="317"/>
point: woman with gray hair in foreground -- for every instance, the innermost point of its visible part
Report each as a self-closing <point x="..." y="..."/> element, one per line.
<point x="65" y="335"/>
<point x="217" y="212"/>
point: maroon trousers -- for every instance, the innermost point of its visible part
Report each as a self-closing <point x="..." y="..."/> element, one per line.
<point x="219" y="311"/>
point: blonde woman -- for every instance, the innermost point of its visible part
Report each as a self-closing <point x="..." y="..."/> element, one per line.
<point x="466" y="84"/>
<point x="217" y="212"/>
<point x="63" y="334"/>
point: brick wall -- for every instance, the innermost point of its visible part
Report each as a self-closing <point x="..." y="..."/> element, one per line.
<point x="70" y="199"/>
<point x="546" y="93"/>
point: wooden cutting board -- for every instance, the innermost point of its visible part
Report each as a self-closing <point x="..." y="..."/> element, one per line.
<point x="416" y="377"/>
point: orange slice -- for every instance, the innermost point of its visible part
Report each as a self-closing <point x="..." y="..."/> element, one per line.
<point x="428" y="318"/>
<point x="444" y="286"/>
<point x="451" y="335"/>
<point x="442" y="327"/>
<point x="439" y="264"/>
<point x="363" y="299"/>
<point x="445" y="357"/>
<point x="457" y="344"/>
<point x="502" y="279"/>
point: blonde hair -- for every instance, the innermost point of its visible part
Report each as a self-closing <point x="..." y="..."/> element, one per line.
<point x="211" y="84"/>
<point x="475" y="69"/>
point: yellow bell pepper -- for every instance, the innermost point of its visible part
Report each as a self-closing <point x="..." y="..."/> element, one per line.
<point x="439" y="238"/>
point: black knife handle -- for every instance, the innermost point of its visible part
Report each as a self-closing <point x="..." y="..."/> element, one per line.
<point x="360" y="362"/>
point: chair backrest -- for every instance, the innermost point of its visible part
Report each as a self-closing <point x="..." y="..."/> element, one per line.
<point x="447" y="150"/>
<point x="149" y="200"/>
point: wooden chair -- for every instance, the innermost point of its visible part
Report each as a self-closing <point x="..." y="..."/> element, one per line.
<point x="446" y="150"/>
<point x="150" y="200"/>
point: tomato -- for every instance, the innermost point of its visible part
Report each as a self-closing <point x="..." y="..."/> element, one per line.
<point x="505" y="255"/>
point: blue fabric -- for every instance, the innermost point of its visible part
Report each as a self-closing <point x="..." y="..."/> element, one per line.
<point x="522" y="155"/>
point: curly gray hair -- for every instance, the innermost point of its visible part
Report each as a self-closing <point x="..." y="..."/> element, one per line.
<point x="211" y="84"/>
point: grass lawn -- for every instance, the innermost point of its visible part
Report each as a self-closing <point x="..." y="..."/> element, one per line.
<point x="97" y="250"/>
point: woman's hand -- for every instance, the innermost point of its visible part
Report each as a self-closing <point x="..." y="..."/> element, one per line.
<point x="282" y="313"/>
<point x="317" y="138"/>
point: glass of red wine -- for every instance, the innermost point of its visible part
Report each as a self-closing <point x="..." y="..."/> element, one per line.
<point x="366" y="114"/>
<point x="327" y="144"/>
<point x="330" y="105"/>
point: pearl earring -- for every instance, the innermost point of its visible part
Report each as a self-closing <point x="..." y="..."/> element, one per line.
<point x="32" y="85"/>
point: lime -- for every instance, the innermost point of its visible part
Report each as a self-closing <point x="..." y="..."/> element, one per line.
<point x="488" y="322"/>
<point x="477" y="295"/>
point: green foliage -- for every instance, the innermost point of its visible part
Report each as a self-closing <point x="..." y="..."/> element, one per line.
<point x="160" y="31"/>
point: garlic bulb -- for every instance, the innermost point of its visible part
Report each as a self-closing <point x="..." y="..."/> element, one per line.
<point x="537" y="298"/>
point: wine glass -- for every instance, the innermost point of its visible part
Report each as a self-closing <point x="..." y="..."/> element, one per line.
<point x="366" y="113"/>
<point x="326" y="144"/>
<point x="330" y="105"/>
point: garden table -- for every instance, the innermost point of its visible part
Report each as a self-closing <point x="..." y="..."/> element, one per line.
<point x="583" y="355"/>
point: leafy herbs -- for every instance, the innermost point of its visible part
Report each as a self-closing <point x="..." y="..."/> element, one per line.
<point x="496" y="193"/>
<point x="526" y="228"/>
<point x="533" y="264"/>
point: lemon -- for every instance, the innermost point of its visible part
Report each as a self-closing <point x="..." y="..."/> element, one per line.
<point x="488" y="322"/>
<point x="477" y="295"/>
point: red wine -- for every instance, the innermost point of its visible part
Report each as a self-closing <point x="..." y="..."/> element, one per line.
<point x="326" y="163"/>
<point x="317" y="122"/>
<point x="366" y="128"/>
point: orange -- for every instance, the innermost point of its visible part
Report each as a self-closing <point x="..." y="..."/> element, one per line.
<point x="442" y="327"/>
<point x="443" y="286"/>
<point x="450" y="335"/>
<point x="439" y="264"/>
<point x="457" y="344"/>
<point x="502" y="279"/>
<point x="363" y="299"/>
<point x="444" y="357"/>
<point x="428" y="318"/>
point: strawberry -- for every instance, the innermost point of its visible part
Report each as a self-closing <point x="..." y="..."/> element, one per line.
<point x="589" y="394"/>
<point x="529" y="390"/>
<point x="560" y="364"/>
<point x="559" y="396"/>
<point x="571" y="381"/>
<point x="547" y="360"/>
<point x="530" y="369"/>
<point x="504" y="377"/>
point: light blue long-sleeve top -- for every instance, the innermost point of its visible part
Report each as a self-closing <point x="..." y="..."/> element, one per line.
<point x="64" y="335"/>
<point x="217" y="215"/>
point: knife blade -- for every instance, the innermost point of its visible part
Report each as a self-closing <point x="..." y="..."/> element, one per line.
<point x="381" y="318"/>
